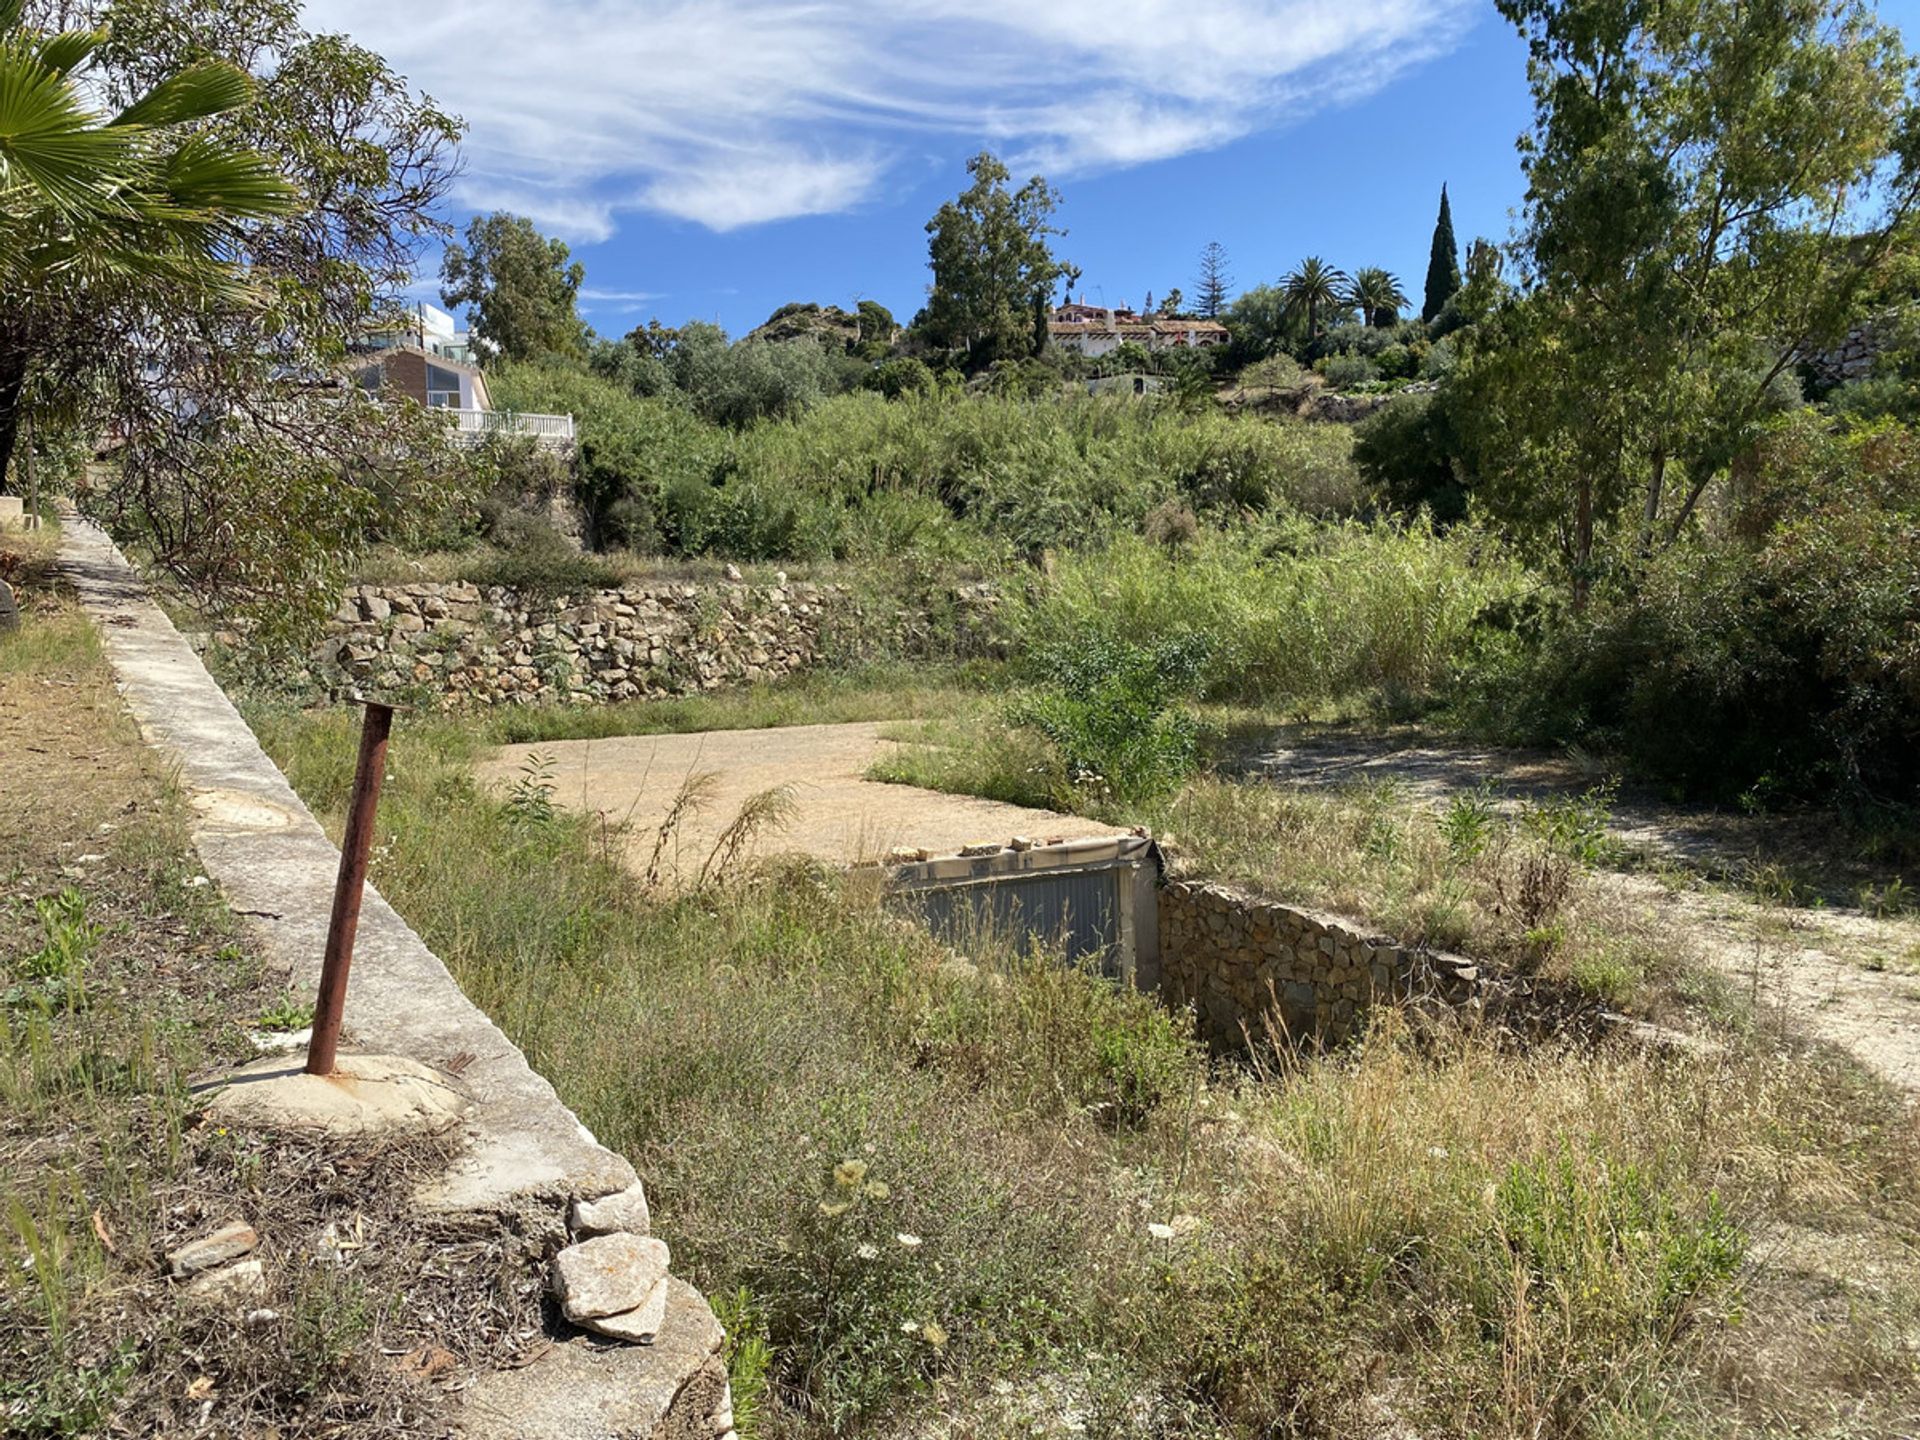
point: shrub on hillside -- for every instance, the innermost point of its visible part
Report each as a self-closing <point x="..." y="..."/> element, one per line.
<point x="1347" y="372"/>
<point x="1408" y="447"/>
<point x="1783" y="661"/>
<point x="1015" y="475"/>
<point x="1113" y="709"/>
<point x="541" y="564"/>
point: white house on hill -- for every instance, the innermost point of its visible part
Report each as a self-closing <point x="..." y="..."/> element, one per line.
<point x="1096" y="330"/>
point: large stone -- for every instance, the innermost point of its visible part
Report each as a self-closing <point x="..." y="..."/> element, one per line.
<point x="608" y="1275"/>
<point x="640" y="1325"/>
<point x="229" y="1242"/>
<point x="624" y="1212"/>
<point x="9" y="607"/>
<point x="231" y="1284"/>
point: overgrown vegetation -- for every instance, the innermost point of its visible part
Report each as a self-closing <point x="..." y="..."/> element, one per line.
<point x="961" y="1200"/>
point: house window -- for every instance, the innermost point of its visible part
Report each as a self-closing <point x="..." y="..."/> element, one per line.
<point x="443" y="388"/>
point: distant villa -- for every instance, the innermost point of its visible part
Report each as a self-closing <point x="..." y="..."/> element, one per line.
<point x="1095" y="330"/>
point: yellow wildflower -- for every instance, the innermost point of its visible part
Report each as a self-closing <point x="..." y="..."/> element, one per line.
<point x="849" y="1173"/>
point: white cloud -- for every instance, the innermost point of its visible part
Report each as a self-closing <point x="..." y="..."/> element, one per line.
<point x="734" y="112"/>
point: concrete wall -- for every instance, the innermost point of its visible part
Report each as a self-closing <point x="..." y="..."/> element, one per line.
<point x="526" y="1158"/>
<point x="462" y="647"/>
<point x="1239" y="959"/>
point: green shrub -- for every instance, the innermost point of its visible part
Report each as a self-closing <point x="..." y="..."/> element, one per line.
<point x="1347" y="372"/>
<point x="1112" y="708"/>
<point x="1021" y="473"/>
<point x="1777" y="661"/>
<point x="1602" y="1241"/>
<point x="543" y="565"/>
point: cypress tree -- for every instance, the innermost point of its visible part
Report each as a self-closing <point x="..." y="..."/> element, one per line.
<point x="1443" y="266"/>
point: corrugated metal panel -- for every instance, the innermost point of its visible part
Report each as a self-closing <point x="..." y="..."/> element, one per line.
<point x="1078" y="912"/>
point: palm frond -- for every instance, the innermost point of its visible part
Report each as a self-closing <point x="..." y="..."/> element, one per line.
<point x="10" y="16"/>
<point x="66" y="52"/>
<point x="203" y="178"/>
<point x="50" y="143"/>
<point x="198" y="92"/>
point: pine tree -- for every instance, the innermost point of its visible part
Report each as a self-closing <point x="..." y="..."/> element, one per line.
<point x="1214" y="281"/>
<point x="1443" y="266"/>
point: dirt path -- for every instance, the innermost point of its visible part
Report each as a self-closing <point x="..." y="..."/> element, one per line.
<point x="838" y="816"/>
<point x="1845" y="976"/>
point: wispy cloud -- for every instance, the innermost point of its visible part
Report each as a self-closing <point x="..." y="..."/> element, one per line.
<point x="735" y="112"/>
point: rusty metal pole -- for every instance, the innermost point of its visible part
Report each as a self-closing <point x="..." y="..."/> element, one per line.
<point x="354" y="847"/>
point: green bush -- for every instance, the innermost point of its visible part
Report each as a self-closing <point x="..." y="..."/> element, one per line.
<point x="1007" y="474"/>
<point x="543" y="565"/>
<point x="1408" y="448"/>
<point x="1775" y="662"/>
<point x="1112" y="708"/>
<point x="1347" y="372"/>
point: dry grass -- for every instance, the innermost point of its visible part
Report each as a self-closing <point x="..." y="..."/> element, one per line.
<point x="1104" y="1232"/>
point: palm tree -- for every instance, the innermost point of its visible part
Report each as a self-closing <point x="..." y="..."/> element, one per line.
<point x="93" y="206"/>
<point x="1376" y="293"/>
<point x="1315" y="286"/>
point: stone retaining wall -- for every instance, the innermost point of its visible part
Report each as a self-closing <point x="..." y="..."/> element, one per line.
<point x="1238" y="959"/>
<point x="461" y="646"/>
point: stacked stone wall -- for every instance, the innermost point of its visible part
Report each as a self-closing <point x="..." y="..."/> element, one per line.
<point x="1247" y="965"/>
<point x="462" y="646"/>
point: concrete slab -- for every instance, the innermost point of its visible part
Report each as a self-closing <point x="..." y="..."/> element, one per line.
<point x="365" y="1095"/>
<point x="669" y="1390"/>
<point x="525" y="1149"/>
<point x="842" y="817"/>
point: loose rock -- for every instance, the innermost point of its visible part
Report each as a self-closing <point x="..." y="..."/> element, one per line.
<point x="608" y="1275"/>
<point x="229" y="1242"/>
<point x="240" y="1281"/>
<point x="637" y="1326"/>
<point x="625" y="1212"/>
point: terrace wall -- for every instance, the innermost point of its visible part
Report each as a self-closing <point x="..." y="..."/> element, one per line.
<point x="1243" y="963"/>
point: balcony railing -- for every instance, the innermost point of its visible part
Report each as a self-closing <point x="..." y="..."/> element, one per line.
<point x="474" y="425"/>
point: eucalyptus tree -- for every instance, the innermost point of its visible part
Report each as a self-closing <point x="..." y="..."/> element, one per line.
<point x="1712" y="189"/>
<point x="521" y="286"/>
<point x="992" y="265"/>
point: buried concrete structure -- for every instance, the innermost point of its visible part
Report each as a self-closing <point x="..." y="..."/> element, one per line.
<point x="525" y="1155"/>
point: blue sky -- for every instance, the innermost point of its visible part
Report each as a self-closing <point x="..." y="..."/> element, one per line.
<point x="713" y="159"/>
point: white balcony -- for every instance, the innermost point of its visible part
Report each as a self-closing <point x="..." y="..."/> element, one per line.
<point x="471" y="426"/>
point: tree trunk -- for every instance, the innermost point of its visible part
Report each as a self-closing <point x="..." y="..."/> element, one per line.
<point x="1650" y="514"/>
<point x="1582" y="542"/>
<point x="13" y="382"/>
